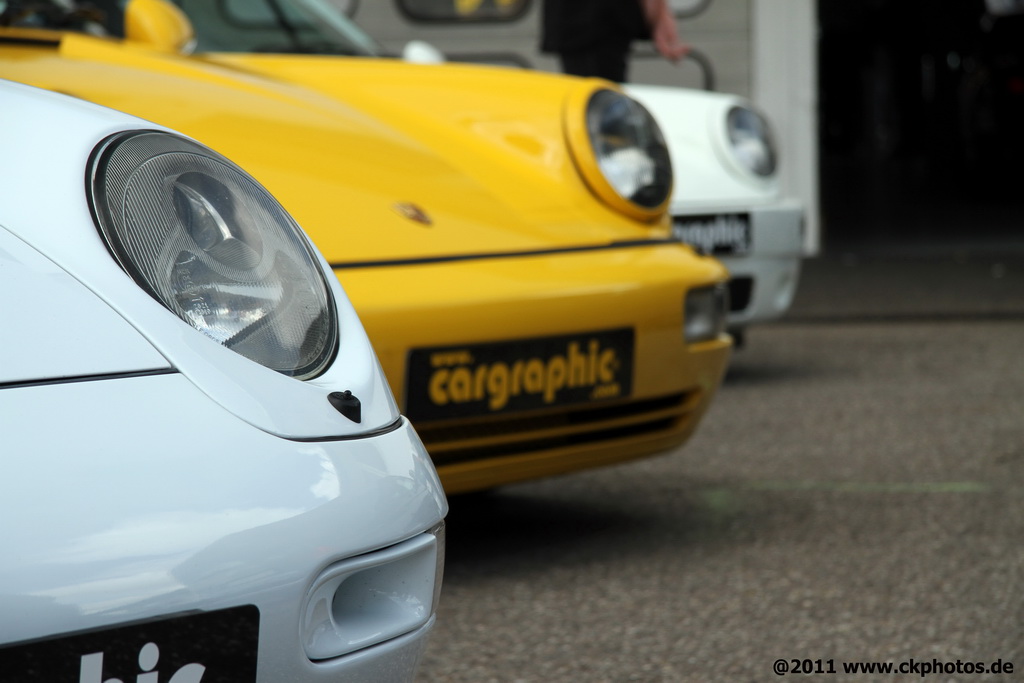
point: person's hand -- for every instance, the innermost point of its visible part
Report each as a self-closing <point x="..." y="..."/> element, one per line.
<point x="666" y="39"/>
<point x="664" y="33"/>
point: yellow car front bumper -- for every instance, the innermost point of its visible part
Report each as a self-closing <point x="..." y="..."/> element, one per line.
<point x="542" y="364"/>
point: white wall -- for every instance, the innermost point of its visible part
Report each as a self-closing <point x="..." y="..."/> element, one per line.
<point x="785" y="86"/>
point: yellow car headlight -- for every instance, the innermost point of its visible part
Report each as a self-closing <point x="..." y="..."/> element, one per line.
<point x="620" y="152"/>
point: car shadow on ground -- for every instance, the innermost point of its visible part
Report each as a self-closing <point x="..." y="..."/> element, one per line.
<point x="741" y="373"/>
<point x="576" y="520"/>
<point x="761" y="362"/>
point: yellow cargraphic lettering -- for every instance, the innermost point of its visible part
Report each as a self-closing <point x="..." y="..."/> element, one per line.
<point x="479" y="382"/>
<point x="577" y="366"/>
<point x="497" y="386"/>
<point x="592" y="362"/>
<point x="438" y="388"/>
<point x="448" y="359"/>
<point x="555" y="378"/>
<point x="606" y="391"/>
<point x="517" y="378"/>
<point x="460" y="386"/>
<point x="606" y="367"/>
<point x="533" y="376"/>
<point x="458" y="378"/>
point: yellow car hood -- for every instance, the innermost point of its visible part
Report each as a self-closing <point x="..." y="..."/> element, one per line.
<point x="380" y="161"/>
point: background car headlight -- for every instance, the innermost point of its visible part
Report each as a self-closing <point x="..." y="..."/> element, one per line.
<point x="751" y="142"/>
<point x="705" y="315"/>
<point x="622" y="154"/>
<point x="215" y="248"/>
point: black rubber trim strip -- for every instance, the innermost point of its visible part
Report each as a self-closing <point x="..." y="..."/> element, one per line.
<point x="86" y="378"/>
<point x="427" y="260"/>
<point x="10" y="40"/>
<point x="386" y="429"/>
<point x="394" y="426"/>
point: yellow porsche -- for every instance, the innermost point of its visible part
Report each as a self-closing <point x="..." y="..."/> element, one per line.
<point x="502" y="233"/>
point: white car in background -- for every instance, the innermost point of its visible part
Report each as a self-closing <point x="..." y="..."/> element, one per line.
<point x="726" y="200"/>
<point x="203" y="473"/>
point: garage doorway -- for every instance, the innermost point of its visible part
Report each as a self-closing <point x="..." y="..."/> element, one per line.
<point x="921" y="128"/>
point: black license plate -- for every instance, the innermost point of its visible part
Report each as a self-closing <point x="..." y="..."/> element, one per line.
<point x="519" y="375"/>
<point x="206" y="647"/>
<point x="721" y="234"/>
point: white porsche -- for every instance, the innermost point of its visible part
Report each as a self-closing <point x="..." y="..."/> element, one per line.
<point x="203" y="473"/>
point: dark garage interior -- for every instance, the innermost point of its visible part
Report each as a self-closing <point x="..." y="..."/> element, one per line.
<point x="922" y="123"/>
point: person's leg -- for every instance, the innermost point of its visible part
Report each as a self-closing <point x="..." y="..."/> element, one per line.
<point x="580" y="63"/>
<point x="614" y="61"/>
<point x="607" y="60"/>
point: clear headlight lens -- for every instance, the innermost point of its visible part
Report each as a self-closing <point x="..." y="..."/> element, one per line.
<point x="751" y="142"/>
<point x="705" y="315"/>
<point x="630" y="148"/>
<point x="215" y="248"/>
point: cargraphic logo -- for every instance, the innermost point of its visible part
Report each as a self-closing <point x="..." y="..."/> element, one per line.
<point x="716" y="234"/>
<point x="533" y="373"/>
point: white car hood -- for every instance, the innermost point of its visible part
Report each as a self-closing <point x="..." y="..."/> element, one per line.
<point x="58" y="329"/>
<point x="72" y="312"/>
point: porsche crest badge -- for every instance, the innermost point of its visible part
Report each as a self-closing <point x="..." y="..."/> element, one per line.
<point x="412" y="212"/>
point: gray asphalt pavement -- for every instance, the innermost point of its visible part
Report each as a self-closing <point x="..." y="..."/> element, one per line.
<point x="855" y="495"/>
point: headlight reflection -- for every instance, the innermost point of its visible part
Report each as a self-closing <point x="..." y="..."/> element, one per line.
<point x="630" y="148"/>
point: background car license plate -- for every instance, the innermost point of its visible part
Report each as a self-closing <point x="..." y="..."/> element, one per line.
<point x="212" y="647"/>
<point x="723" y="233"/>
<point x="517" y="375"/>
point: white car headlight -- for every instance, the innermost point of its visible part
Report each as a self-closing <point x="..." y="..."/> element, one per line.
<point x="751" y="142"/>
<point x="215" y="248"/>
<point x="630" y="149"/>
<point x="705" y="315"/>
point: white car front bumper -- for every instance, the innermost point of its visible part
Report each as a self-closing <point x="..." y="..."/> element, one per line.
<point x="762" y="246"/>
<point x="140" y="510"/>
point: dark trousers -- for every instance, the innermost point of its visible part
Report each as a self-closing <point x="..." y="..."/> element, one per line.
<point x="606" y="60"/>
